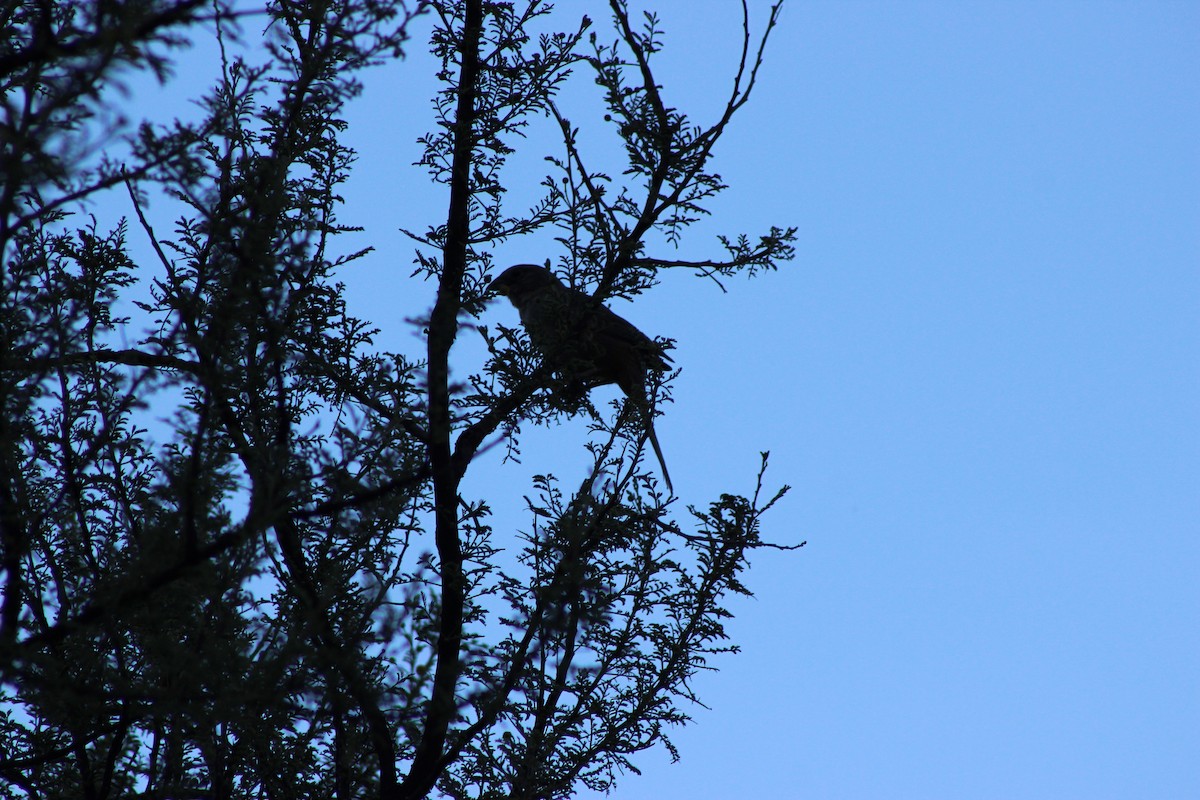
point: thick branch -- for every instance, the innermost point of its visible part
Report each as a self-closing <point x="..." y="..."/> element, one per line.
<point x="443" y="328"/>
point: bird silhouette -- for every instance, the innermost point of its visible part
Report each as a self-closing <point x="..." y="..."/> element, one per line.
<point x="584" y="341"/>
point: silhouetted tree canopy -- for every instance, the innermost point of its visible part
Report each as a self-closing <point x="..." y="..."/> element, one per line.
<point x="237" y="556"/>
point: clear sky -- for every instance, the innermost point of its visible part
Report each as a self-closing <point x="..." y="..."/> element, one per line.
<point x="980" y="375"/>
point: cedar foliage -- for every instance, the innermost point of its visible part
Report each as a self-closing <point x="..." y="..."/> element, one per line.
<point x="237" y="559"/>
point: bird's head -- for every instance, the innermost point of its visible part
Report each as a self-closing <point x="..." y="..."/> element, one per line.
<point x="519" y="282"/>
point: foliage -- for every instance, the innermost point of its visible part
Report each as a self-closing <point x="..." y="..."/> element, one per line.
<point x="281" y="589"/>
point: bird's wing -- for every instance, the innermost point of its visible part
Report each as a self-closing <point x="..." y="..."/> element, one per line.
<point x="613" y="330"/>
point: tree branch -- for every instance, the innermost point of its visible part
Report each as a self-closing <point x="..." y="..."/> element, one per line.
<point x="443" y="328"/>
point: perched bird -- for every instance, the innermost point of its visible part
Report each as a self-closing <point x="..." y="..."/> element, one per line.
<point x="583" y="341"/>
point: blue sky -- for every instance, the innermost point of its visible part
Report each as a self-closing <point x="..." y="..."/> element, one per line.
<point x="979" y="375"/>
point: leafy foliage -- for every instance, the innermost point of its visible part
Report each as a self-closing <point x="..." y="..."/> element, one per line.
<point x="281" y="589"/>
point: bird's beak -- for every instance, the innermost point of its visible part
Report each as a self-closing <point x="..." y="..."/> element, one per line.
<point x="498" y="288"/>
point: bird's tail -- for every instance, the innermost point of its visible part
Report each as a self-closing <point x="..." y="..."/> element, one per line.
<point x="662" y="462"/>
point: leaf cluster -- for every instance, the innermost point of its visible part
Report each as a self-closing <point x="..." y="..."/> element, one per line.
<point x="238" y="555"/>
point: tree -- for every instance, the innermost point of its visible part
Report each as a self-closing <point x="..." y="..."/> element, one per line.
<point x="282" y="590"/>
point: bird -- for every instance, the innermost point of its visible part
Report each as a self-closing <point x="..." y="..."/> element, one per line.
<point x="584" y="341"/>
